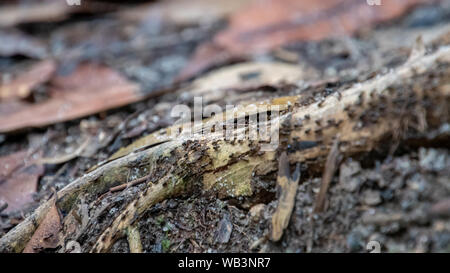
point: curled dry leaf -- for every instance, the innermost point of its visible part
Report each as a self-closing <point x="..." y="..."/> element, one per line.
<point x="88" y="90"/>
<point x="22" y="85"/>
<point x="46" y="235"/>
<point x="18" y="180"/>
<point x="267" y="24"/>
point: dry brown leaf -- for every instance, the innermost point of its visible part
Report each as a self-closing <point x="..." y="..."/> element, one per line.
<point x="270" y="23"/>
<point x="22" y="85"/>
<point x="11" y="163"/>
<point x="267" y="24"/>
<point x="88" y="90"/>
<point x="46" y="235"/>
<point x="18" y="180"/>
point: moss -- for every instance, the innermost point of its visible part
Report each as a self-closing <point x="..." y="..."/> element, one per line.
<point x="165" y="244"/>
<point x="160" y="220"/>
<point x="234" y="181"/>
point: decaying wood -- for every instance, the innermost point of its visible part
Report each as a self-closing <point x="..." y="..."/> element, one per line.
<point x="134" y="239"/>
<point x="330" y="168"/>
<point x="130" y="184"/>
<point x="288" y="189"/>
<point x="363" y="115"/>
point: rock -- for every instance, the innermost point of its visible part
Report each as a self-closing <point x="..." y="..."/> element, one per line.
<point x="387" y="195"/>
<point x="224" y="230"/>
<point x="433" y="159"/>
<point x="371" y="198"/>
<point x="391" y="229"/>
<point x="441" y="239"/>
<point x="355" y="241"/>
<point x="157" y="248"/>
<point x="403" y="165"/>
<point x="397" y="183"/>
<point x="441" y="208"/>
<point x="172" y="204"/>
<point x="347" y="178"/>
<point x="256" y="211"/>
<point x="417" y="183"/>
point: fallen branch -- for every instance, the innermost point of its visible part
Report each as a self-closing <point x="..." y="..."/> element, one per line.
<point x="363" y="115"/>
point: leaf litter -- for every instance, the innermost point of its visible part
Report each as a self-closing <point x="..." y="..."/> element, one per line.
<point x="177" y="231"/>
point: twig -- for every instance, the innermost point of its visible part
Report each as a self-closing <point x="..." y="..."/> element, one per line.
<point x="258" y="242"/>
<point x="130" y="184"/>
<point x="330" y="169"/>
<point x="195" y="244"/>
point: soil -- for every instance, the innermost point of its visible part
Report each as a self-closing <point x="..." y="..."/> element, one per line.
<point x="390" y="202"/>
<point x="397" y="196"/>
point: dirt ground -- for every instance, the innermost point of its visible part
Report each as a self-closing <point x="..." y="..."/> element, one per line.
<point x="389" y="202"/>
<point x="397" y="195"/>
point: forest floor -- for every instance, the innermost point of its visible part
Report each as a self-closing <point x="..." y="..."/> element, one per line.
<point x="396" y="195"/>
